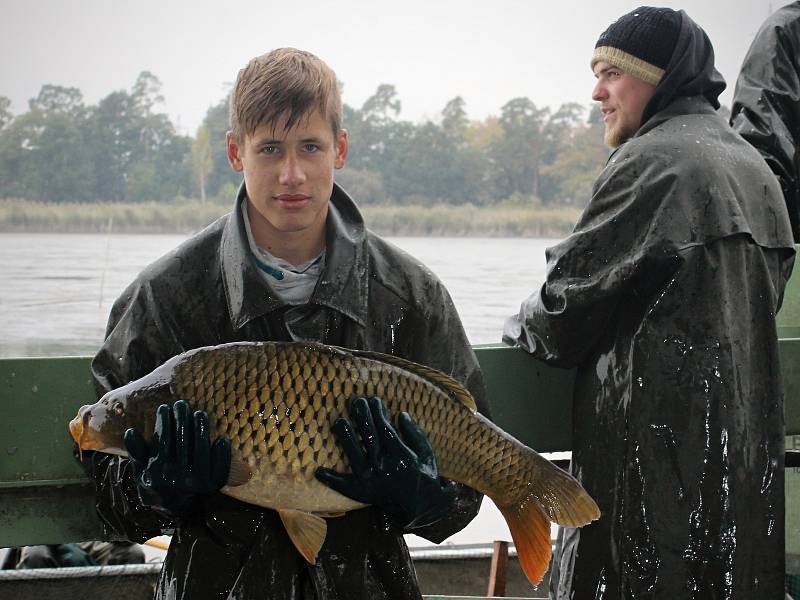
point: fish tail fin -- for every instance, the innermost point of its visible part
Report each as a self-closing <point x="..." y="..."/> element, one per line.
<point x="552" y="495"/>
<point x="530" y="530"/>
<point x="561" y="497"/>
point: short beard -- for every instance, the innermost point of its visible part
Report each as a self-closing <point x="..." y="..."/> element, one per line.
<point x="617" y="136"/>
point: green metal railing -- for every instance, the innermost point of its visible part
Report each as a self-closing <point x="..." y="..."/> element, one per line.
<point x="46" y="498"/>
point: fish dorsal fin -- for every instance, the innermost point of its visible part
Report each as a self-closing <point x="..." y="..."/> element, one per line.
<point x="306" y="531"/>
<point x="453" y="388"/>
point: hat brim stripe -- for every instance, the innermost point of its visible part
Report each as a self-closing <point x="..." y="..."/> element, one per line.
<point x="628" y="63"/>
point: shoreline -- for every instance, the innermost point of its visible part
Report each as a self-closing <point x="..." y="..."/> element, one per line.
<point x="186" y="217"/>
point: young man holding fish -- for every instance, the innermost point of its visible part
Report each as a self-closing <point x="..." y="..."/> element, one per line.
<point x="664" y="298"/>
<point x="292" y="261"/>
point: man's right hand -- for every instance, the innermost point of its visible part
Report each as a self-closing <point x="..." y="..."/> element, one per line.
<point x="180" y="462"/>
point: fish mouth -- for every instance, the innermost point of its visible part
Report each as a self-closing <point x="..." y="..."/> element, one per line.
<point x="82" y="434"/>
<point x="76" y="429"/>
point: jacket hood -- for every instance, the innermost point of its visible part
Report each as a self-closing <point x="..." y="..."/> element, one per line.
<point x="690" y="71"/>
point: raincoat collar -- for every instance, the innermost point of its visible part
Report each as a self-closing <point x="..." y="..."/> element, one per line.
<point x="693" y="105"/>
<point x="342" y="285"/>
<point x="678" y="107"/>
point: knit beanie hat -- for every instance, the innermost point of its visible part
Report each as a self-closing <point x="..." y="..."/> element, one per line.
<point x="640" y="42"/>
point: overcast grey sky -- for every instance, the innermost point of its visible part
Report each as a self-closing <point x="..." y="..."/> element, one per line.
<point x="432" y="50"/>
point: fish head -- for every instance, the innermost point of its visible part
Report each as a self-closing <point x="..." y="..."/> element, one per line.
<point x="101" y="426"/>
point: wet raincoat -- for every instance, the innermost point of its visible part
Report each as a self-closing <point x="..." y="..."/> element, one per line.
<point x="208" y="291"/>
<point x="766" y="102"/>
<point x="664" y="298"/>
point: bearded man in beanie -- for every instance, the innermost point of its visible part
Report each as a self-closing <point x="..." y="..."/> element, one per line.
<point x="664" y="298"/>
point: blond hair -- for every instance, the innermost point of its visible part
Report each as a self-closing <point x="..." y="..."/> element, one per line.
<point x="285" y="83"/>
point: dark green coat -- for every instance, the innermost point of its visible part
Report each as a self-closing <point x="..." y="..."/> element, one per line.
<point x="664" y="297"/>
<point x="370" y="296"/>
<point x="766" y="102"/>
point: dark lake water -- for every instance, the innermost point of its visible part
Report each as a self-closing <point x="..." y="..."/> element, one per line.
<point x="56" y="289"/>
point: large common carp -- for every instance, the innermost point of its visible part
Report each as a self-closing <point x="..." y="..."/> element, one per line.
<point x="277" y="402"/>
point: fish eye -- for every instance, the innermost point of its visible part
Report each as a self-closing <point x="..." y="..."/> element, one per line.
<point x="118" y="408"/>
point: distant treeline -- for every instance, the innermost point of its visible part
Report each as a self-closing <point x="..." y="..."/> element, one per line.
<point x="122" y="150"/>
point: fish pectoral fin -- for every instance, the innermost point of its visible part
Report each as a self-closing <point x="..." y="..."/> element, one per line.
<point x="530" y="530"/>
<point x="239" y="474"/>
<point x="307" y="532"/>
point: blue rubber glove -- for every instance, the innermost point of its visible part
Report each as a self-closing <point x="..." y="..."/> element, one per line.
<point x="180" y="462"/>
<point x="397" y="474"/>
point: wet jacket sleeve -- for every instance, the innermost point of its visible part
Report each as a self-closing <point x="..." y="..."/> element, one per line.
<point x="619" y="245"/>
<point x="446" y="348"/>
<point x="139" y="338"/>
<point x="137" y="341"/>
<point x="766" y="102"/>
<point x="117" y="501"/>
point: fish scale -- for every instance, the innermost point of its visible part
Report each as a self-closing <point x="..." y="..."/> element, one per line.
<point x="277" y="403"/>
<point x="242" y="379"/>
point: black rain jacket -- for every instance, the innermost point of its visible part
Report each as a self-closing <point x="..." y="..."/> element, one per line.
<point x="208" y="291"/>
<point x="766" y="102"/>
<point x="664" y="298"/>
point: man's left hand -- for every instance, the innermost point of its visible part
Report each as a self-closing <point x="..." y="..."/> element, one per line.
<point x="399" y="474"/>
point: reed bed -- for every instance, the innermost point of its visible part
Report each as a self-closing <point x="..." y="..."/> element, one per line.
<point x="146" y="217"/>
<point x="188" y="216"/>
<point x="469" y="220"/>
